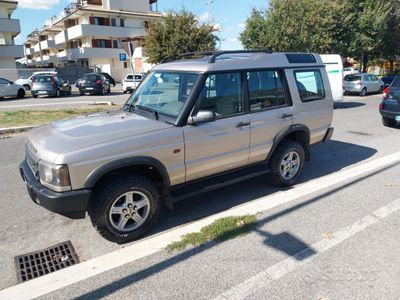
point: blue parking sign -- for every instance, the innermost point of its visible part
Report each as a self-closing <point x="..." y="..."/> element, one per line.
<point x="122" y="57"/>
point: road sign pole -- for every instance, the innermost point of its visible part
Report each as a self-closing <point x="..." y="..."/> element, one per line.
<point x="130" y="46"/>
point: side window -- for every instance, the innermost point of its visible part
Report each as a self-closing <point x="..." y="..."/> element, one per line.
<point x="266" y="90"/>
<point x="310" y="85"/>
<point x="3" y="81"/>
<point x="222" y="94"/>
<point x="374" y="78"/>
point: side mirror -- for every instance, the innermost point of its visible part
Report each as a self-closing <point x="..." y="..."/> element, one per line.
<point x="203" y="116"/>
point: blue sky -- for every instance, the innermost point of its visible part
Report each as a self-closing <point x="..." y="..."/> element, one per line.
<point x="227" y="14"/>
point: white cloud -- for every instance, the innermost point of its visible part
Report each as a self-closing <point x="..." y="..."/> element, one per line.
<point x="217" y="26"/>
<point x="242" y="26"/>
<point x="38" y="4"/>
<point x="204" y="17"/>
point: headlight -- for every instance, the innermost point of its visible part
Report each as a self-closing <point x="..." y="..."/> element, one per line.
<point x="55" y="177"/>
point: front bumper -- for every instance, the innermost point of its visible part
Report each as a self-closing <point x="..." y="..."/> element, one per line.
<point x="71" y="204"/>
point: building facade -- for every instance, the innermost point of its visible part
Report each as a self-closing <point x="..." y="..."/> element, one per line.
<point x="9" y="29"/>
<point x="91" y="34"/>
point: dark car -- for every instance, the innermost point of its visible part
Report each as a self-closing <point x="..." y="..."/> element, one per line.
<point x="387" y="80"/>
<point x="109" y="78"/>
<point x="93" y="83"/>
<point x="49" y="85"/>
<point x="390" y="105"/>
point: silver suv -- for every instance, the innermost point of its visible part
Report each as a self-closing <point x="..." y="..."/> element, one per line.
<point x="193" y="124"/>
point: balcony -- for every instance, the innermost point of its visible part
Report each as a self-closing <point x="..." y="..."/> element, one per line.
<point x="81" y="53"/>
<point x="11" y="51"/>
<point x="36" y="48"/>
<point x="48" y="44"/>
<point x="61" y="38"/>
<point x="10" y="25"/>
<point x="29" y="51"/>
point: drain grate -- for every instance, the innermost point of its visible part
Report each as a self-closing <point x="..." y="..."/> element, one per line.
<point x="39" y="263"/>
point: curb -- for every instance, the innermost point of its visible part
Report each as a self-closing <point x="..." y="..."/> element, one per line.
<point x="15" y="129"/>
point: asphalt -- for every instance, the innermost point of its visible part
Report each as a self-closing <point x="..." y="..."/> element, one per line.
<point x="208" y="271"/>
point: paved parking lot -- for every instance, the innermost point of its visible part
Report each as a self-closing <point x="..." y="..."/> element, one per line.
<point x="363" y="264"/>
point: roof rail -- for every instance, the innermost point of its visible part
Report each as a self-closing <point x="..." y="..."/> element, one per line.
<point x="213" y="54"/>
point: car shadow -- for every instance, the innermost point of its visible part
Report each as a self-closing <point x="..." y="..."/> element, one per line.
<point x="347" y="105"/>
<point x="325" y="159"/>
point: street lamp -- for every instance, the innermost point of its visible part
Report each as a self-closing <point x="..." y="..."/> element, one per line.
<point x="209" y="2"/>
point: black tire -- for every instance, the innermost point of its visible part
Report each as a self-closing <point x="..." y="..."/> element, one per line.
<point x="21" y="93"/>
<point x="381" y="90"/>
<point x="125" y="92"/>
<point x="102" y="92"/>
<point x="34" y="96"/>
<point x="276" y="161"/>
<point x="108" y="192"/>
<point x="363" y="92"/>
<point x="57" y="94"/>
<point x="109" y="91"/>
<point x="69" y="91"/>
<point x="81" y="93"/>
<point x="388" y="122"/>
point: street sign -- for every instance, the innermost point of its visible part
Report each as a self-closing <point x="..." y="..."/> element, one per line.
<point x="122" y="57"/>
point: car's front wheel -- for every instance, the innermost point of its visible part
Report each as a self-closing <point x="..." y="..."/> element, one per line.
<point x="124" y="208"/>
<point x="363" y="92"/>
<point x="287" y="163"/>
<point x="21" y="94"/>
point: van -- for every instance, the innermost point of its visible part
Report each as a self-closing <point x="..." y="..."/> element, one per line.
<point x="334" y="68"/>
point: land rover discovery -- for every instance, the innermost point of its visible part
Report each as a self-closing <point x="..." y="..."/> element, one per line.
<point x="194" y="123"/>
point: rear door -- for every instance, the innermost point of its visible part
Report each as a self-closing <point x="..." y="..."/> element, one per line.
<point x="312" y="100"/>
<point x="270" y="111"/>
<point x="4" y="87"/>
<point x="221" y="145"/>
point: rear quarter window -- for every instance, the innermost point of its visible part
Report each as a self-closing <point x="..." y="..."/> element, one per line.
<point x="396" y="82"/>
<point x="310" y="85"/>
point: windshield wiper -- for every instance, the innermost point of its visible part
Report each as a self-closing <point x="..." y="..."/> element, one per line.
<point x="148" y="109"/>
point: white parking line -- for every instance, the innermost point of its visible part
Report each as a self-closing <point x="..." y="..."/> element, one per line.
<point x="277" y="271"/>
<point x="46" y="104"/>
<point x="60" y="279"/>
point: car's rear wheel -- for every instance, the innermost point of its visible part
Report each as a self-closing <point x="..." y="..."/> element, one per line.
<point x="81" y="93"/>
<point x="363" y="92"/>
<point x="21" y="94"/>
<point x="388" y="122"/>
<point x="58" y="93"/>
<point x="287" y="163"/>
<point x="380" y="90"/>
<point x="124" y="208"/>
<point x="109" y="91"/>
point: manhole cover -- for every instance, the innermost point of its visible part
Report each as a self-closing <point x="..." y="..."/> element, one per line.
<point x="39" y="263"/>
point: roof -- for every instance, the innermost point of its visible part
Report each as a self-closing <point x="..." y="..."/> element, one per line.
<point x="240" y="60"/>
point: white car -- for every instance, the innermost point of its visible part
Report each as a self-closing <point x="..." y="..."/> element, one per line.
<point x="129" y="84"/>
<point x="10" y="89"/>
<point x="27" y="82"/>
<point x="349" y="71"/>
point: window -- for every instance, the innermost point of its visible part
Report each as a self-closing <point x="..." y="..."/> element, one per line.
<point x="4" y="81"/>
<point x="310" y="85"/>
<point x="113" y="22"/>
<point x="164" y="92"/>
<point x="115" y="44"/>
<point x="125" y="65"/>
<point x="122" y="22"/>
<point x="101" y="43"/>
<point x="266" y="90"/>
<point x="222" y="94"/>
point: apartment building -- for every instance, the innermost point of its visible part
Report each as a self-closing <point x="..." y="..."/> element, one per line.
<point x="91" y="33"/>
<point x="9" y="29"/>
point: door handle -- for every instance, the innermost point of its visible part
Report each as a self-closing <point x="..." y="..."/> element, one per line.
<point x="242" y="124"/>
<point x="284" y="116"/>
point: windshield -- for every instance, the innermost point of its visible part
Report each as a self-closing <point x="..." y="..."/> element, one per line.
<point x="164" y="92"/>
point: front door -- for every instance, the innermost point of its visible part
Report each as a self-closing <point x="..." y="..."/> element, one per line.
<point x="221" y="145"/>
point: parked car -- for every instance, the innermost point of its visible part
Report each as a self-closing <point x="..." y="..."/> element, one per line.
<point x="362" y="84"/>
<point x="182" y="135"/>
<point x="131" y="81"/>
<point x="109" y="78"/>
<point x="10" y="89"/>
<point x="50" y="85"/>
<point x="26" y="82"/>
<point x="389" y="108"/>
<point x="349" y="71"/>
<point x="387" y="80"/>
<point x="93" y="83"/>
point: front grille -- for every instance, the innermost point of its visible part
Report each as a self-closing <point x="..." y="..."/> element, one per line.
<point x="32" y="163"/>
<point x="43" y="262"/>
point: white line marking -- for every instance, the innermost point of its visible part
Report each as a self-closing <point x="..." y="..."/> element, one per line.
<point x="277" y="271"/>
<point x="46" y="104"/>
<point x="60" y="279"/>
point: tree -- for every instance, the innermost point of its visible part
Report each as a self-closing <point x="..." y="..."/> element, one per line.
<point x="178" y="33"/>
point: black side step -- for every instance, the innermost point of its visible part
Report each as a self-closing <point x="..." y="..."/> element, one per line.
<point x="197" y="187"/>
